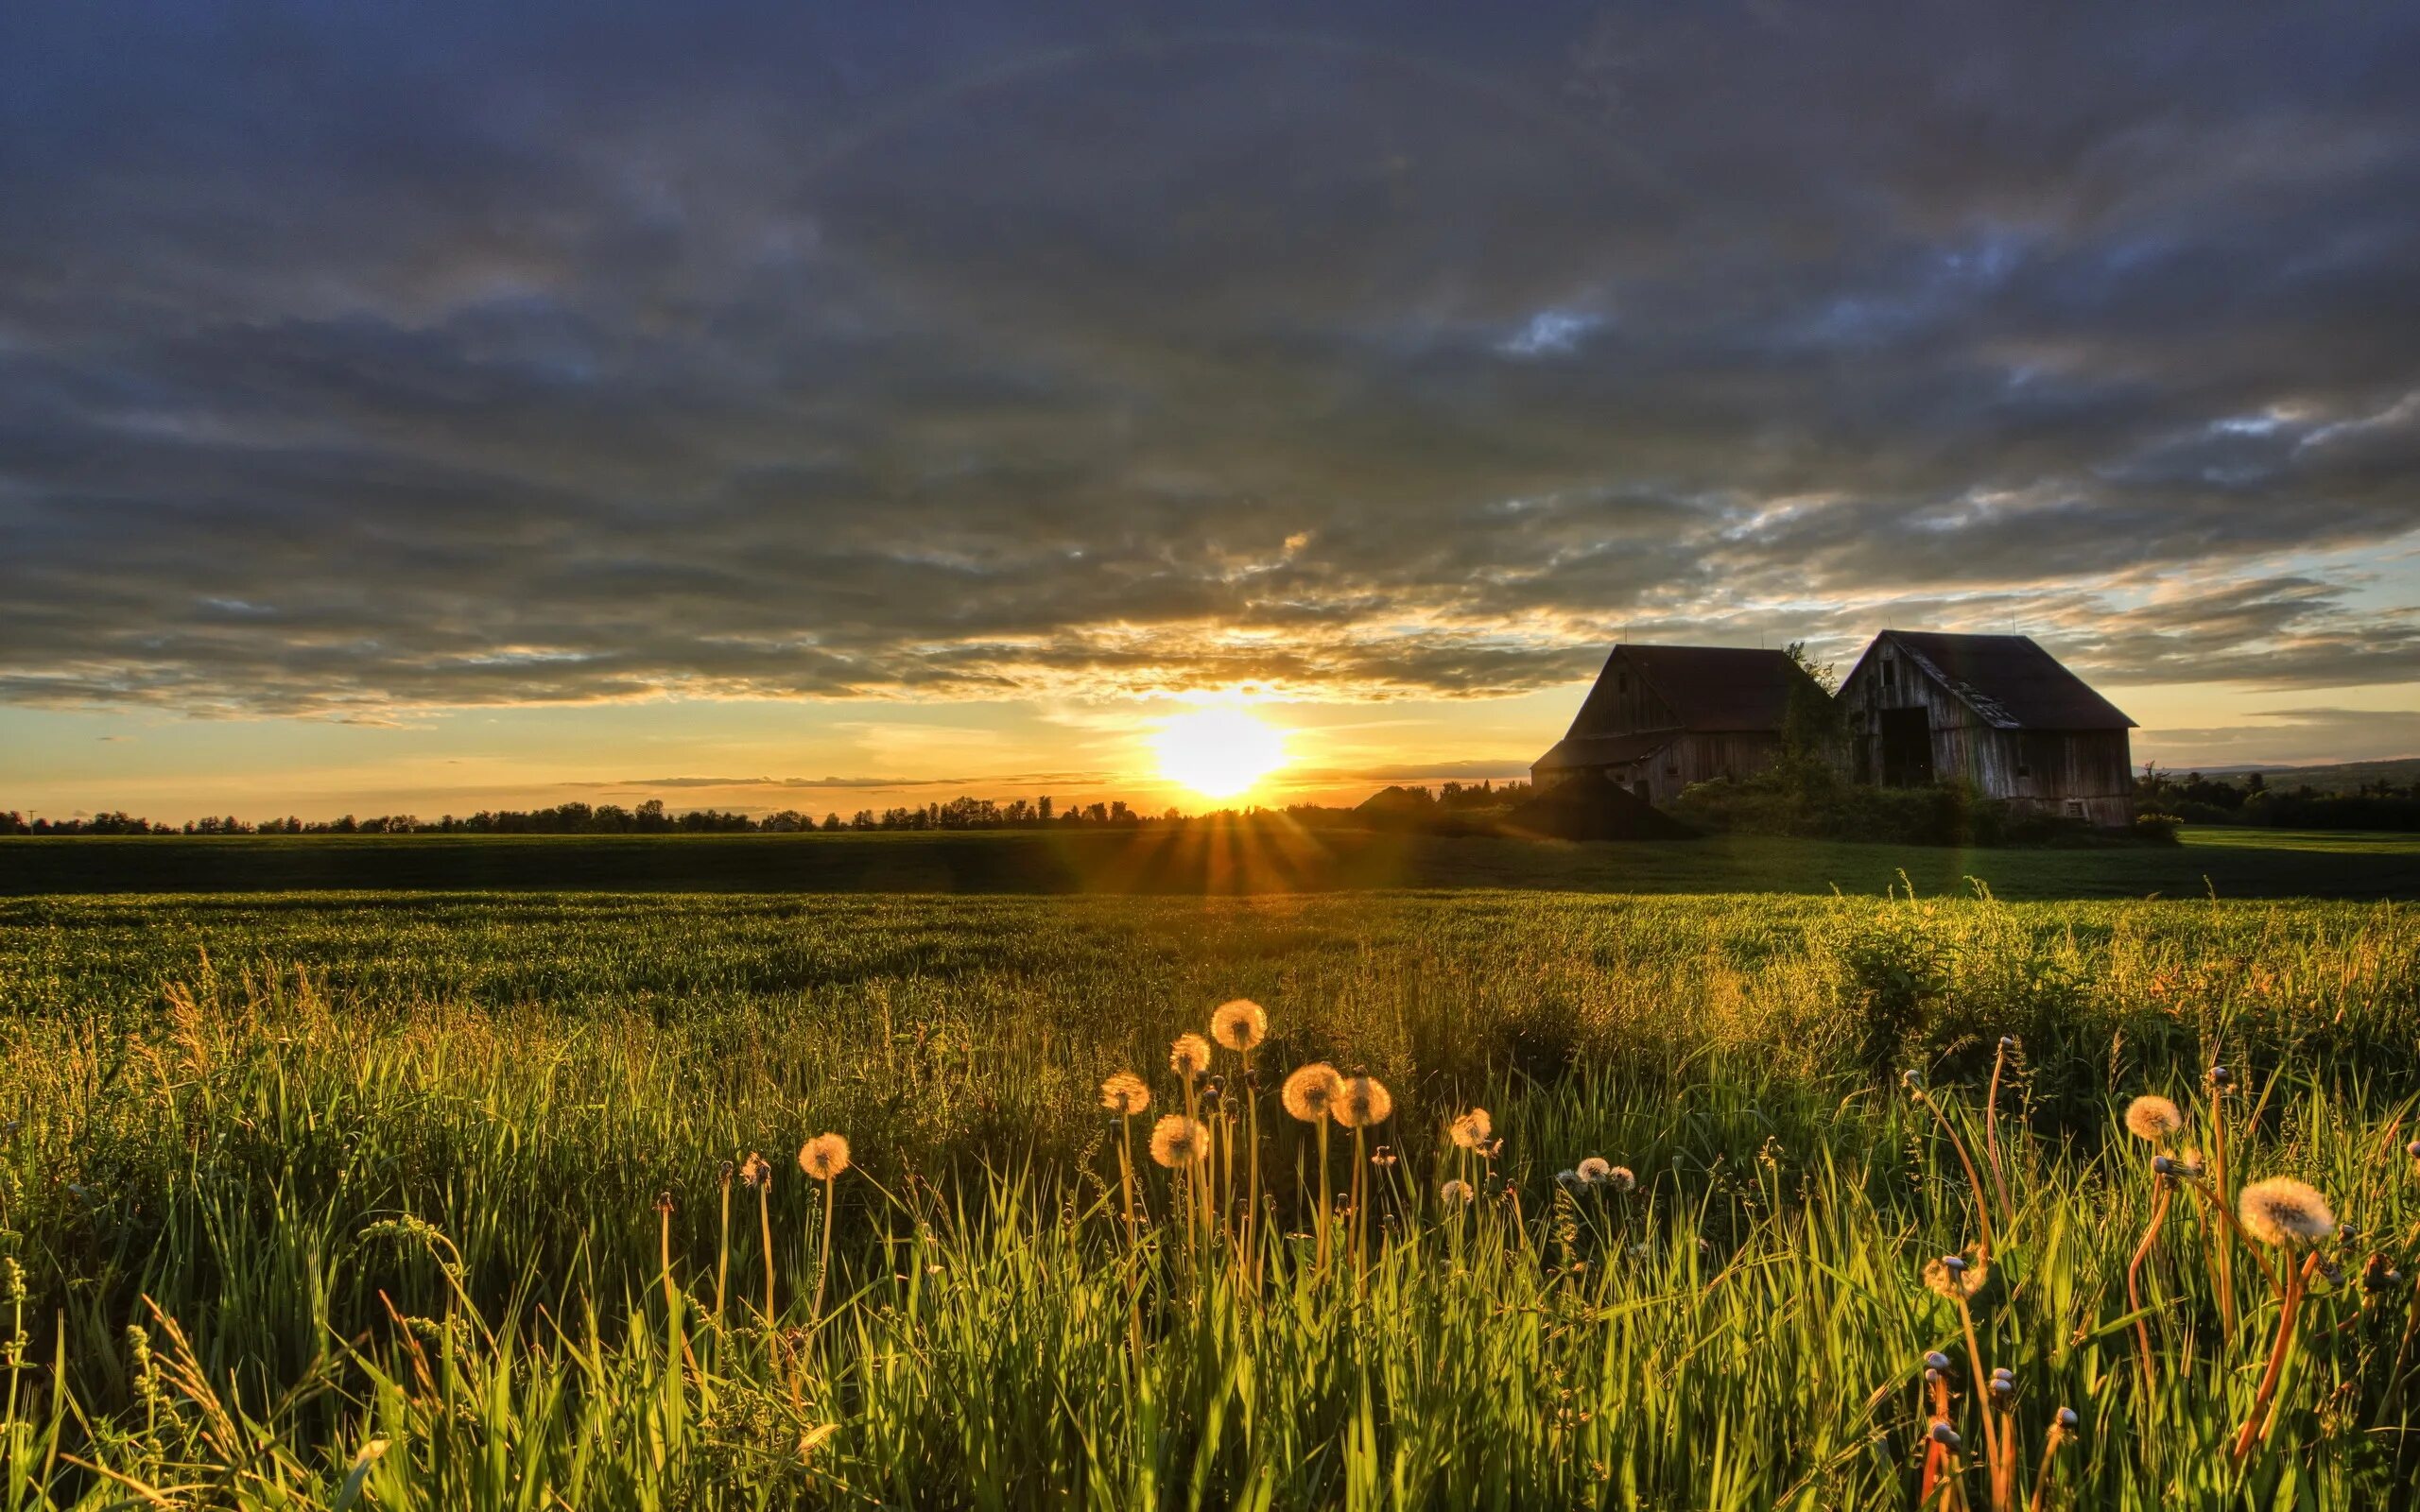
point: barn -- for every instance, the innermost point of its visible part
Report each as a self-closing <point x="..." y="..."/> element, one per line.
<point x="1996" y="711"/>
<point x="1662" y="716"/>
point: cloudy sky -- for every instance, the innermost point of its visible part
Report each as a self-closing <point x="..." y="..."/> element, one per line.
<point x="433" y="406"/>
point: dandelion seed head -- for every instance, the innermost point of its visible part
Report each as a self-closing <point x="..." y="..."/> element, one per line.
<point x="1567" y="1178"/>
<point x="2283" y="1212"/>
<point x="1177" y="1139"/>
<point x="1455" y="1193"/>
<point x="1125" y="1094"/>
<point x="1362" y="1101"/>
<point x="1621" y="1179"/>
<point x="1471" y="1130"/>
<point x="1596" y="1171"/>
<point x="1310" y="1092"/>
<point x="824" y="1157"/>
<point x="1240" y="1025"/>
<point x="2155" y="1119"/>
<point x="756" y="1170"/>
<point x="1189" y="1057"/>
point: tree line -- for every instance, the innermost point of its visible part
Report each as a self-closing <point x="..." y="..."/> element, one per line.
<point x="2378" y="804"/>
<point x="650" y="817"/>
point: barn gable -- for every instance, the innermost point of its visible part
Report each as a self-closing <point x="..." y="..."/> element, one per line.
<point x="1998" y="711"/>
<point x="1662" y="716"/>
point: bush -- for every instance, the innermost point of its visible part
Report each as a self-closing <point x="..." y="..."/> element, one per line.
<point x="2160" y="829"/>
<point x="1829" y="809"/>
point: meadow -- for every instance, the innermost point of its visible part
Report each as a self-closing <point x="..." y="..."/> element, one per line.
<point x="320" y="1200"/>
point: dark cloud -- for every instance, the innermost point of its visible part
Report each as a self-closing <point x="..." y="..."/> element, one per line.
<point x="356" y="360"/>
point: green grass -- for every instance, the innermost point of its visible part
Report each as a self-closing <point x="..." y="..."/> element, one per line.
<point x="1259" y="859"/>
<point x="387" y="1167"/>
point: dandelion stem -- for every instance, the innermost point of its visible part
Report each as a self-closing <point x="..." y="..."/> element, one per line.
<point x="2256" y="1427"/>
<point x="2042" y="1474"/>
<point x="2218" y="1204"/>
<point x="1321" y="1211"/>
<point x="2134" y="1295"/>
<point x="1991" y="1134"/>
<point x="2222" y="1239"/>
<point x="722" y="1256"/>
<point x="1974" y="1363"/>
<point x="1126" y="1176"/>
<point x="765" y="1227"/>
<point x="1360" y="1182"/>
<point x="1974" y="1180"/>
<point x="823" y="1265"/>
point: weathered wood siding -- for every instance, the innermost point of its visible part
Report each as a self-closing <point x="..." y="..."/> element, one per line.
<point x="2084" y="774"/>
<point x="1696" y="758"/>
<point x="1623" y="704"/>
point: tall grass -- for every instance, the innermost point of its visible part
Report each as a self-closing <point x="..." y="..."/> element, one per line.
<point x="388" y="1218"/>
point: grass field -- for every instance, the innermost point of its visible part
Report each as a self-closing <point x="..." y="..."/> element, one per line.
<point x="1267" y="857"/>
<point x="353" y="1200"/>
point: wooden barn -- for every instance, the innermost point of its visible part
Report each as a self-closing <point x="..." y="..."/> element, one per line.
<point x="1996" y="710"/>
<point x="1662" y="716"/>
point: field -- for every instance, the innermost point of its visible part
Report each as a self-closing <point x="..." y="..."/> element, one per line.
<point x="1269" y="857"/>
<point x="417" y="1199"/>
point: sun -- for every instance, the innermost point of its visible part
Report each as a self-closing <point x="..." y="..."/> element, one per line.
<point x="1218" y="753"/>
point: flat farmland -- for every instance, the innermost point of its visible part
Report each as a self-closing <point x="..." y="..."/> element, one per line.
<point x="436" y="1196"/>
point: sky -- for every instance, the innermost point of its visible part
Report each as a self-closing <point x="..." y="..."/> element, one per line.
<point x="423" y="409"/>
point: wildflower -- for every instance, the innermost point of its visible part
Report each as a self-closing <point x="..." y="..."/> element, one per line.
<point x="1596" y="1171"/>
<point x="755" y="1169"/>
<point x="1457" y="1192"/>
<point x="1362" y="1101"/>
<point x="1311" y="1090"/>
<point x="1125" y="1094"/>
<point x="1177" y="1141"/>
<point x="1189" y="1057"/>
<point x="2154" y="1119"/>
<point x="1955" y="1279"/>
<point x="1240" y="1024"/>
<point x="2285" y="1212"/>
<point x="1471" y="1130"/>
<point x="824" y="1157"/>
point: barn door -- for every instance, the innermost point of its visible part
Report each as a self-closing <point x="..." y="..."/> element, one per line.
<point x="1907" y="747"/>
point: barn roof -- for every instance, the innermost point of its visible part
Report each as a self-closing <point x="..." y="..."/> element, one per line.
<point x="1708" y="688"/>
<point x="2007" y="680"/>
<point x="1602" y="750"/>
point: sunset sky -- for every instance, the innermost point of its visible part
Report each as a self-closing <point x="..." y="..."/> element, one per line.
<point x="428" y="407"/>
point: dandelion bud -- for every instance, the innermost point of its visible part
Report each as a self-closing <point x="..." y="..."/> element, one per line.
<point x="663" y="1202"/>
<point x="2003" y="1389"/>
<point x="1947" y="1437"/>
<point x="1933" y="1377"/>
<point x="2067" y="1418"/>
<point x="2412" y="1149"/>
<point x="1935" y="1360"/>
<point x="2007" y="1041"/>
<point x="1912" y="1079"/>
<point x="2001" y="1372"/>
<point x="2219" y="1077"/>
<point x="1955" y="1264"/>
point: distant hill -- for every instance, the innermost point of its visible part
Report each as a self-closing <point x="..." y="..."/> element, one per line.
<point x="2337" y="777"/>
